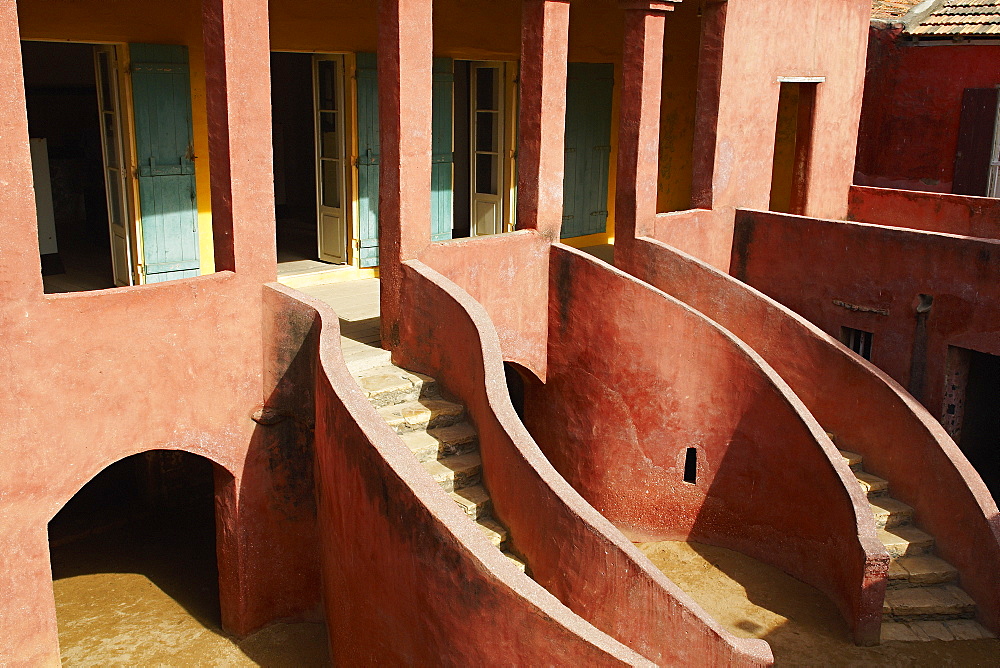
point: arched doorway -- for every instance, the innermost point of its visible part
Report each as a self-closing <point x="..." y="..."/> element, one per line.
<point x="133" y="558"/>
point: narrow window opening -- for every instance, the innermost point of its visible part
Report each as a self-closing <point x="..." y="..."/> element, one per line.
<point x="857" y="340"/>
<point x="792" y="147"/>
<point x="691" y="465"/>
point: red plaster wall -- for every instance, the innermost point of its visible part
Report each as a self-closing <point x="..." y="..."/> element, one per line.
<point x="870" y="265"/>
<point x="932" y="212"/>
<point x="910" y="121"/>
<point x="636" y="378"/>
<point x="574" y="552"/>
<point x="867" y="411"/>
<point x="508" y="275"/>
<point x="883" y="268"/>
<point x="706" y="234"/>
<point x="407" y="579"/>
<point x="765" y="40"/>
<point x="97" y="376"/>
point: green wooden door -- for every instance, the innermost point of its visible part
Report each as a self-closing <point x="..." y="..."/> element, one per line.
<point x="442" y="167"/>
<point x="589" y="90"/>
<point x="368" y="154"/>
<point x="168" y="209"/>
<point x="368" y="151"/>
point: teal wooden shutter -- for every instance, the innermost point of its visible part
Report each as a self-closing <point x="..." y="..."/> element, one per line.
<point x="589" y="90"/>
<point x="442" y="162"/>
<point x="368" y="152"/>
<point x="161" y="97"/>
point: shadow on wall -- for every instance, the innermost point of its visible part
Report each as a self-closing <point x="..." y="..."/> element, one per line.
<point x="636" y="380"/>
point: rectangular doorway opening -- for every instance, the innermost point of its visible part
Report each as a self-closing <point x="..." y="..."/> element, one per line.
<point x="792" y="147"/>
<point x="308" y="99"/>
<point x="971" y="412"/>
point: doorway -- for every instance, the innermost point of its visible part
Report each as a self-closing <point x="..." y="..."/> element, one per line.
<point x="67" y="109"/>
<point x="133" y="557"/>
<point x="308" y="95"/>
<point x="792" y="146"/>
<point x="113" y="163"/>
<point x="972" y="416"/>
<point x="484" y="131"/>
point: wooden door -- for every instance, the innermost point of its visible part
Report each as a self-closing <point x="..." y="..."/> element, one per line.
<point x="116" y="154"/>
<point x="486" y="115"/>
<point x="589" y="89"/>
<point x="976" y="136"/>
<point x="161" y="94"/>
<point x="443" y="157"/>
<point x="331" y="173"/>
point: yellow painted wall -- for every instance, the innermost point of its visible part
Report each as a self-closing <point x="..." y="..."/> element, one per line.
<point x="677" y="108"/>
<point x="138" y="21"/>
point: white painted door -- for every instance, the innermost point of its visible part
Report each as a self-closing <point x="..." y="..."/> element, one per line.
<point x="331" y="207"/>
<point x="116" y="152"/>
<point x="486" y="99"/>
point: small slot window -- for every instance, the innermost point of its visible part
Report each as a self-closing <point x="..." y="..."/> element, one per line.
<point x="857" y="340"/>
<point x="691" y="465"/>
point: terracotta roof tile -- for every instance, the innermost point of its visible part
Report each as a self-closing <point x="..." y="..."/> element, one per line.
<point x="961" y="17"/>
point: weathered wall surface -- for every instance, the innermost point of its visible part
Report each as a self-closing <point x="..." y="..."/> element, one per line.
<point x="913" y="104"/>
<point x="706" y="234"/>
<point x="931" y="212"/>
<point x="603" y="578"/>
<point x="508" y="275"/>
<point x="762" y="43"/>
<point x="407" y="578"/>
<point x="867" y="411"/>
<point x="635" y="379"/>
<point x="883" y="270"/>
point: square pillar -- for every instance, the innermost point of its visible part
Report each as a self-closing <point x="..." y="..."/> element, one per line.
<point x="20" y="266"/>
<point x="238" y="82"/>
<point x="542" y="115"/>
<point x="639" y="125"/>
<point x="404" y="102"/>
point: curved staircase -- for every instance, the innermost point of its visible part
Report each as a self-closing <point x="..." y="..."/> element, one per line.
<point x="924" y="600"/>
<point x="437" y="433"/>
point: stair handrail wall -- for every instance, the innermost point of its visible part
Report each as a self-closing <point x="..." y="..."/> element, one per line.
<point x="569" y="547"/>
<point x="896" y="435"/>
<point x="406" y="578"/>
<point x="637" y="373"/>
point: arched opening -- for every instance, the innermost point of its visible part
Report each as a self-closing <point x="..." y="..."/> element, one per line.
<point x="133" y="558"/>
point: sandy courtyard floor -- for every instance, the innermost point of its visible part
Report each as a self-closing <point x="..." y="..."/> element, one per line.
<point x="754" y="600"/>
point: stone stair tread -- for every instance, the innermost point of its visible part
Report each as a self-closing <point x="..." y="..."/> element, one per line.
<point x="455" y="471"/>
<point x="495" y="532"/>
<point x="872" y="484"/>
<point x="905" y="541"/>
<point x="474" y="500"/>
<point x="853" y="458"/>
<point x="890" y="512"/>
<point x="518" y="563"/>
<point x="925" y="569"/>
<point x="430" y="444"/>
<point x="415" y="414"/>
<point x="932" y="601"/>
<point x="967" y="629"/>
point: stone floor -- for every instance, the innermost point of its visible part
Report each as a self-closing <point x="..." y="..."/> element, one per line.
<point x="357" y="305"/>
